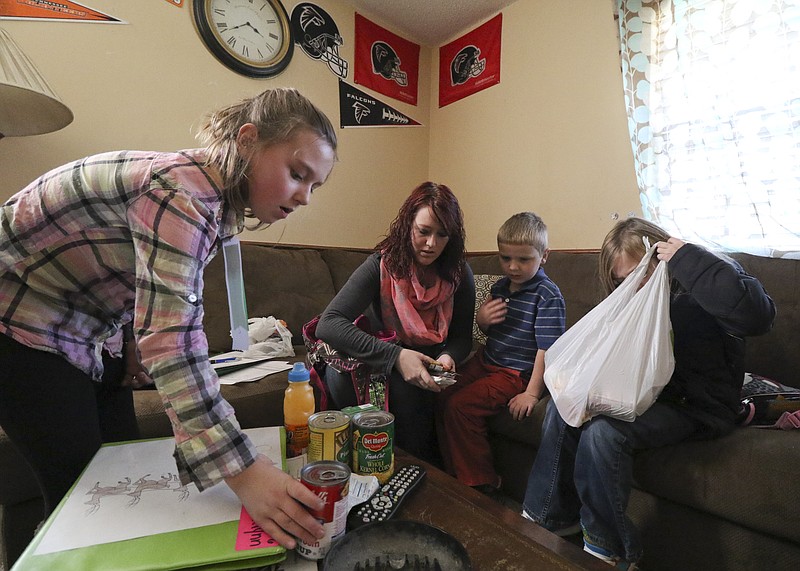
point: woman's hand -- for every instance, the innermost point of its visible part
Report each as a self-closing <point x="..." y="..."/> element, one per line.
<point x="522" y="405"/>
<point x="491" y="312"/>
<point x="136" y="376"/>
<point x="278" y="503"/>
<point x="665" y="250"/>
<point x="413" y="367"/>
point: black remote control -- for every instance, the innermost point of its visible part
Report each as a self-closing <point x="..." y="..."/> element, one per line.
<point x="384" y="502"/>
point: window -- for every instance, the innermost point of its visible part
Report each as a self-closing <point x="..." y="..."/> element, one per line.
<point x="712" y="89"/>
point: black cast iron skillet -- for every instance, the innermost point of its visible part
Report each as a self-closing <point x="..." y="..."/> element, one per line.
<point x="397" y="544"/>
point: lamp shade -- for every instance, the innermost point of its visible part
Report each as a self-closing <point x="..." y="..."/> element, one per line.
<point x="28" y="106"/>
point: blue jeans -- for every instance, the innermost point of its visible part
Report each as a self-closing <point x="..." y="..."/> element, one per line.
<point x="585" y="474"/>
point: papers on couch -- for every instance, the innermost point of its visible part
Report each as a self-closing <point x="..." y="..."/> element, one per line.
<point x="232" y="368"/>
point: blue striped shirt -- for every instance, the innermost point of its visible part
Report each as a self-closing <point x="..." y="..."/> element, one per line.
<point x="536" y="317"/>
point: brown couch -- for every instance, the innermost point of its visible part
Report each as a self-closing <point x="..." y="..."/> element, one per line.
<point x="726" y="504"/>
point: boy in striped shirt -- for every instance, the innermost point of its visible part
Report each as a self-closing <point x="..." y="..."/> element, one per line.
<point x="522" y="317"/>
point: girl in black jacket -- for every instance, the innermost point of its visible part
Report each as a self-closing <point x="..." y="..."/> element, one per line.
<point x="581" y="478"/>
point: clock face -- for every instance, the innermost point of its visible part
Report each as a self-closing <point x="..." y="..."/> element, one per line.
<point x="252" y="37"/>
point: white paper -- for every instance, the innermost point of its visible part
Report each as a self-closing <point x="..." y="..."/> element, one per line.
<point x="132" y="490"/>
<point x="254" y="372"/>
<point x="232" y="359"/>
<point x="361" y="489"/>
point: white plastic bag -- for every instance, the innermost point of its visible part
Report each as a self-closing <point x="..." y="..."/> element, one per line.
<point x="269" y="337"/>
<point x="616" y="360"/>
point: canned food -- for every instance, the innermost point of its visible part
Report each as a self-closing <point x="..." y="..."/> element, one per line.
<point x="329" y="436"/>
<point x="373" y="444"/>
<point x="330" y="480"/>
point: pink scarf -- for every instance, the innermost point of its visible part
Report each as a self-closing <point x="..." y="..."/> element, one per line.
<point x="420" y="316"/>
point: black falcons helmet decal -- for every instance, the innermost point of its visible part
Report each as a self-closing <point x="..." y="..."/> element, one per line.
<point x="318" y="36"/>
<point x="466" y="64"/>
<point x="386" y="63"/>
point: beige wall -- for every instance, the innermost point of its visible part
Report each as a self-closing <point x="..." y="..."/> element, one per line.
<point x="550" y="138"/>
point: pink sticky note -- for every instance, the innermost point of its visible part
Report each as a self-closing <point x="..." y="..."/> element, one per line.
<point x="250" y="535"/>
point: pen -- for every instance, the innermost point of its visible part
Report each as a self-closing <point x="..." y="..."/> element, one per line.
<point x="224" y="360"/>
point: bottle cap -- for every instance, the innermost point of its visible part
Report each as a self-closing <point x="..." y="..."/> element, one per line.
<point x="298" y="373"/>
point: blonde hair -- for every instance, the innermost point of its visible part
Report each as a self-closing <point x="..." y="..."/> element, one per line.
<point x="277" y="114"/>
<point x="626" y="238"/>
<point x="524" y="228"/>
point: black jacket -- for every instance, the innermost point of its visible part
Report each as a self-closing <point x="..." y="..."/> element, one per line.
<point x="714" y="305"/>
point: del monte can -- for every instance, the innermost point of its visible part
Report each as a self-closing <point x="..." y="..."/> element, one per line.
<point x="373" y="444"/>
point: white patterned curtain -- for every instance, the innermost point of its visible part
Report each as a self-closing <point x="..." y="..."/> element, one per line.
<point x="712" y="89"/>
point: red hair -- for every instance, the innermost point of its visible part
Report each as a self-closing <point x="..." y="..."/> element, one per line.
<point x="396" y="247"/>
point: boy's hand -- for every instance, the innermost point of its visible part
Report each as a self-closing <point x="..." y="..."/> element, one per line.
<point x="491" y="312"/>
<point x="522" y="405"/>
<point x="447" y="362"/>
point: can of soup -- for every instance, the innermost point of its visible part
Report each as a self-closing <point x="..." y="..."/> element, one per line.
<point x="373" y="444"/>
<point x="329" y="437"/>
<point x="330" y="480"/>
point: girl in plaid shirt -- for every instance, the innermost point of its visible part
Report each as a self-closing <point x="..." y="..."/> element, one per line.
<point x="118" y="242"/>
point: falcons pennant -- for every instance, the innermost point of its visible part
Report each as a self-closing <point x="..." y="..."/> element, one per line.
<point x="359" y="109"/>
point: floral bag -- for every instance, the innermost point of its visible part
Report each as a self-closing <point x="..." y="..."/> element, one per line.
<point x="370" y="387"/>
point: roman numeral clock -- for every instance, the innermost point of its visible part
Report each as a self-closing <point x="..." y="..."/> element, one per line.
<point x="251" y="37"/>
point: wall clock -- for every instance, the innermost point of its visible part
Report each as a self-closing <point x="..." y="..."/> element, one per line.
<point x="251" y="37"/>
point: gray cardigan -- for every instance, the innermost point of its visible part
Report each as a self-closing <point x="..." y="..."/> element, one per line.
<point x="361" y="295"/>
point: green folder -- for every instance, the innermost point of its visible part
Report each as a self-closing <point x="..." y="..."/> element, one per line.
<point x="211" y="547"/>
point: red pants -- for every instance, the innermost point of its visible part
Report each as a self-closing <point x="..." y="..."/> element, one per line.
<point x="482" y="390"/>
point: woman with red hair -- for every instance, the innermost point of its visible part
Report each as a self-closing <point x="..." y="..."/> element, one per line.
<point x="419" y="285"/>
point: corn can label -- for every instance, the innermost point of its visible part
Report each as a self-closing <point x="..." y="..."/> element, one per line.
<point x="329" y="437"/>
<point x="330" y="480"/>
<point x="373" y="444"/>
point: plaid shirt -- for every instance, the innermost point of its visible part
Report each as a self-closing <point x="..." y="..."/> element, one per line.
<point x="118" y="236"/>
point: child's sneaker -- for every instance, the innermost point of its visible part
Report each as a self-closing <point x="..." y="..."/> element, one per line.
<point x="600" y="553"/>
<point x="608" y="557"/>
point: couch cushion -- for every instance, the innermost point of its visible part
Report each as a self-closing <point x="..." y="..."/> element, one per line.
<point x="748" y="477"/>
<point x="292" y="284"/>
<point x="528" y="430"/>
<point x="485" y="264"/>
<point x="483" y="286"/>
<point x="774" y="355"/>
<point x="342" y="263"/>
<point x="575" y="274"/>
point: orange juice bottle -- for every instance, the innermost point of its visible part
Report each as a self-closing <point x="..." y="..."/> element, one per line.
<point x="298" y="405"/>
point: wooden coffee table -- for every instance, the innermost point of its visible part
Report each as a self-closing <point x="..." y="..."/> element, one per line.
<point x="494" y="536"/>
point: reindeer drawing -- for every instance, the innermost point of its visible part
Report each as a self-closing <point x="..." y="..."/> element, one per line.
<point x="98" y="492"/>
<point x="182" y="489"/>
<point x="143" y="484"/>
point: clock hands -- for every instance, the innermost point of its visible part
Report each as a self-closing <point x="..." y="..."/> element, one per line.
<point x="246" y="24"/>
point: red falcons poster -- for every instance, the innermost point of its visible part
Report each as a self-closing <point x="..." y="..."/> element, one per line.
<point x="386" y="62"/>
<point x="470" y="63"/>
